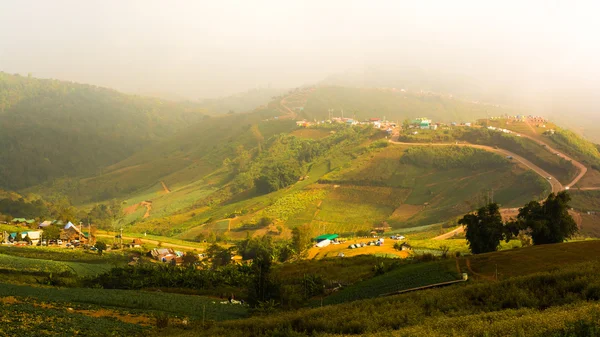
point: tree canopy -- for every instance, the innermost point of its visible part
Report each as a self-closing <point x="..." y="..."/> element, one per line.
<point x="484" y="229"/>
<point x="549" y="221"/>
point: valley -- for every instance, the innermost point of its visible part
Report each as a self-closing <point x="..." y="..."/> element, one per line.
<point x="185" y="217"/>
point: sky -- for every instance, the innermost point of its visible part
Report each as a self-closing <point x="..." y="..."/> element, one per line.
<point x="202" y="49"/>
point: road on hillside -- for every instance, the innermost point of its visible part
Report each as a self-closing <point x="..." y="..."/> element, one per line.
<point x="556" y="186"/>
<point x="580" y="166"/>
<point x="450" y="234"/>
<point x="153" y="242"/>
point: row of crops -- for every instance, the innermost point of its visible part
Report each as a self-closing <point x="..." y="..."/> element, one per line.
<point x="42" y="266"/>
<point x="28" y="320"/>
<point x="404" y="277"/>
<point x="131" y="300"/>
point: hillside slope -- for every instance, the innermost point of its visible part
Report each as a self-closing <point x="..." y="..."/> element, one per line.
<point x="51" y="129"/>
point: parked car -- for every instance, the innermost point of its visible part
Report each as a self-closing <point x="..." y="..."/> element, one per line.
<point x="59" y="242"/>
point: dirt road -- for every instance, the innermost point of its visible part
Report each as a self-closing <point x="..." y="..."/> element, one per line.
<point x="127" y="239"/>
<point x="582" y="169"/>
<point x="165" y="188"/>
<point x="556" y="186"/>
<point x="450" y="234"/>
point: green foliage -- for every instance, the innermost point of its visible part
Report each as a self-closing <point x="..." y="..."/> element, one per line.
<point x="101" y="246"/>
<point x="128" y="300"/>
<point x="219" y="256"/>
<point x="169" y="276"/>
<point x="301" y="239"/>
<point x="451" y="157"/>
<point x="471" y="309"/>
<point x="484" y="229"/>
<point x="290" y="204"/>
<point x="51" y="233"/>
<point x="53" y="128"/>
<point x="548" y="221"/>
<point x="583" y="148"/>
<point x="277" y="176"/>
<point x="400" y="277"/>
<point x="21" y="208"/>
<point x="16" y="264"/>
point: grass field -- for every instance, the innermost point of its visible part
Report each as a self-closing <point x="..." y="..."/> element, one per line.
<point x="524" y="261"/>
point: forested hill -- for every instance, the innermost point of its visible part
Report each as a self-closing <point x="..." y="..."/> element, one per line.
<point x="51" y="128"/>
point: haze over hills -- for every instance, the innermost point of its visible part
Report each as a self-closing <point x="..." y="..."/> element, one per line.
<point x="197" y="166"/>
<point x="299" y="168"/>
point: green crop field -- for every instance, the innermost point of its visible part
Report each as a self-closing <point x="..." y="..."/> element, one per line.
<point x="42" y="266"/>
<point x="174" y="304"/>
<point x="402" y="278"/>
<point x="33" y="320"/>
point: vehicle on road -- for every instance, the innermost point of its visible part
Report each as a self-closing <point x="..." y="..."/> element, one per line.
<point x="549" y="177"/>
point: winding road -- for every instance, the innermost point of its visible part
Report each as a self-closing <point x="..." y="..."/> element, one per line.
<point x="556" y="186"/>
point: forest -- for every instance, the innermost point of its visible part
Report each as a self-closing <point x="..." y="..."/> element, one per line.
<point x="52" y="129"/>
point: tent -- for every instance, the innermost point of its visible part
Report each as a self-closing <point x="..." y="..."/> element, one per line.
<point x="330" y="237"/>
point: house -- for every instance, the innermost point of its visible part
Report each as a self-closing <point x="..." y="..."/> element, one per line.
<point x="422" y="123"/>
<point x="45" y="224"/>
<point x="70" y="232"/>
<point x="22" y="221"/>
<point x="34" y="236"/>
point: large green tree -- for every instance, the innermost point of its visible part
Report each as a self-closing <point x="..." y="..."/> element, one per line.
<point x="301" y="239"/>
<point x="549" y="221"/>
<point x="484" y="229"/>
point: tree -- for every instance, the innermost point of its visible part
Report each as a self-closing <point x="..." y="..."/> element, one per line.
<point x="51" y="232"/>
<point x="406" y="124"/>
<point x="219" y="256"/>
<point x="301" y="240"/>
<point x="484" y="229"/>
<point x="278" y="176"/>
<point x="548" y="221"/>
<point x="189" y="259"/>
<point x="101" y="246"/>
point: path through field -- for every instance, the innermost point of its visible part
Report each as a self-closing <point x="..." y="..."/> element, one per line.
<point x="450" y="234"/>
<point x="165" y="188"/>
<point x="152" y="242"/>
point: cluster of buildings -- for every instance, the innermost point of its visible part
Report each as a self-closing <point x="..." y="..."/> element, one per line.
<point x="167" y="255"/>
<point x="68" y="232"/>
<point x="424" y="123"/>
<point x="377" y="123"/>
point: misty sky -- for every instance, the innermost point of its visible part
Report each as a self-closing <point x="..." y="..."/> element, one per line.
<point x="200" y="49"/>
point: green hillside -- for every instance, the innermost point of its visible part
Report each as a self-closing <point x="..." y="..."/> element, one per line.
<point x="51" y="129"/>
<point x="353" y="184"/>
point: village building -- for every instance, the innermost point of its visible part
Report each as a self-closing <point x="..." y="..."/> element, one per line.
<point x="421" y="123"/>
<point x="70" y="232"/>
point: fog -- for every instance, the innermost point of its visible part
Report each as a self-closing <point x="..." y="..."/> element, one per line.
<point x="541" y="53"/>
